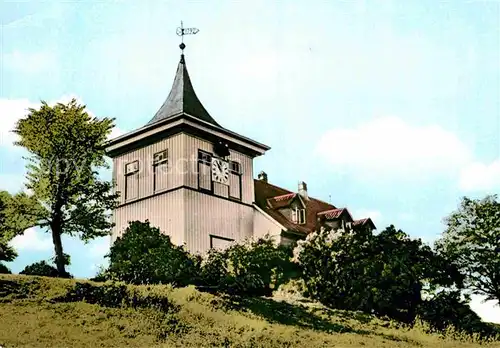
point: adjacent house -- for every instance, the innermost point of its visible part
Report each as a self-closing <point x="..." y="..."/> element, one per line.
<point x="193" y="178"/>
<point x="293" y="215"/>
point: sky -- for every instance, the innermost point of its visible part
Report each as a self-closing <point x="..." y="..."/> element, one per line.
<point x="389" y="108"/>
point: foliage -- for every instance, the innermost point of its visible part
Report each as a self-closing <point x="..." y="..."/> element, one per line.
<point x="102" y="275"/>
<point x="472" y="241"/>
<point x="42" y="268"/>
<point x="7" y="253"/>
<point x="14" y="219"/>
<point x="65" y="146"/>
<point x="383" y="274"/>
<point x="4" y="269"/>
<point x="447" y="309"/>
<point x="40" y="306"/>
<point x="255" y="267"/>
<point x="144" y="255"/>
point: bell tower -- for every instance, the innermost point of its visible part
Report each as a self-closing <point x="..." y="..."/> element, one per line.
<point x="184" y="172"/>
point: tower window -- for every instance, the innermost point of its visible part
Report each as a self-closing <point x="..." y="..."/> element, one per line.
<point x="160" y="171"/>
<point x="235" y="167"/>
<point x="204" y="171"/>
<point x="131" y="180"/>
<point x="235" y="180"/>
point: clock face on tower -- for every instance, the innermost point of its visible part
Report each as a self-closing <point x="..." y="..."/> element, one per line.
<point x="220" y="171"/>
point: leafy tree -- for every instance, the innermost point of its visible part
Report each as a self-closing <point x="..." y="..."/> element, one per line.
<point x="65" y="146"/>
<point x="472" y="241"/>
<point x="13" y="221"/>
<point x="383" y="274"/>
<point x="144" y="255"/>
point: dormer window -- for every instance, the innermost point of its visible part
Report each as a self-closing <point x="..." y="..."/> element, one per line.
<point x="299" y="216"/>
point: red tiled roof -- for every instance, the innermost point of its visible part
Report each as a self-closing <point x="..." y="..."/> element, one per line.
<point x="281" y="201"/>
<point x="363" y="222"/>
<point x="335" y="213"/>
<point x="266" y="192"/>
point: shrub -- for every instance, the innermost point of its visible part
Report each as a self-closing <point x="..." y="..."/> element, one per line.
<point x="40" y="268"/>
<point x="382" y="274"/>
<point x="447" y="309"/>
<point x="254" y="267"/>
<point x="4" y="269"/>
<point x="102" y="275"/>
<point x="143" y="255"/>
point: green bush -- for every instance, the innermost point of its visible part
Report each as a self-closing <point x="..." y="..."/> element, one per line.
<point x="4" y="269"/>
<point x="143" y="255"/>
<point x="41" y="268"/>
<point x="255" y="267"/>
<point x="383" y="274"/>
<point x="101" y="276"/>
<point x="447" y="308"/>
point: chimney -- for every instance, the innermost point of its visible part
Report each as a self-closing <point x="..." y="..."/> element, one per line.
<point x="303" y="190"/>
<point x="262" y="176"/>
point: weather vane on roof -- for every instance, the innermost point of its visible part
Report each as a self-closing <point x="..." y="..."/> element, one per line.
<point x="181" y="31"/>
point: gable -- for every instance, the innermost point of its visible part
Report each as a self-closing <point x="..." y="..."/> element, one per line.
<point x="332" y="214"/>
<point x="265" y="191"/>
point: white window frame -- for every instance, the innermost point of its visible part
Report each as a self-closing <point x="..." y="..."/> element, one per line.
<point x="299" y="216"/>
<point x="131" y="169"/>
<point x="159" y="158"/>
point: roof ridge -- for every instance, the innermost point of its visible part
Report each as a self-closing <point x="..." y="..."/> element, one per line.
<point x="281" y="188"/>
<point x="267" y="183"/>
<point x="319" y="200"/>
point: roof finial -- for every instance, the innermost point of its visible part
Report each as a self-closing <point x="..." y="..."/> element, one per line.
<point x="181" y="31"/>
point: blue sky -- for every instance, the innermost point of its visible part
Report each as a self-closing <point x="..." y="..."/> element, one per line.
<point x="391" y="109"/>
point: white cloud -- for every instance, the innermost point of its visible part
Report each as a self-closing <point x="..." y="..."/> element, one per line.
<point x="99" y="247"/>
<point x="478" y="176"/>
<point x="488" y="311"/>
<point x="115" y="133"/>
<point x="12" y="182"/>
<point x="32" y="240"/>
<point x="11" y="110"/>
<point x="389" y="145"/>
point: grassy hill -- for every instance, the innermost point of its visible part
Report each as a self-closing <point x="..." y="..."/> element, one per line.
<point x="49" y="312"/>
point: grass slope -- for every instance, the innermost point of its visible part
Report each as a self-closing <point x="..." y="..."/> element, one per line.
<point x="38" y="312"/>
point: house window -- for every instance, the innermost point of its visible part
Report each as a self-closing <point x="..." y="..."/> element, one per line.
<point x="299" y="216"/>
<point x="220" y="243"/>
<point x="131" y="180"/>
<point x="204" y="171"/>
<point x="160" y="171"/>
<point x="234" y="180"/>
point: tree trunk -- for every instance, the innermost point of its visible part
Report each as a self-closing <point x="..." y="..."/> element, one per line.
<point x="60" y="259"/>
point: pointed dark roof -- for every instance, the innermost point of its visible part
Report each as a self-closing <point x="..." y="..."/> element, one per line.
<point x="182" y="99"/>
